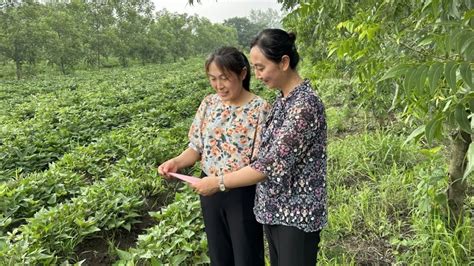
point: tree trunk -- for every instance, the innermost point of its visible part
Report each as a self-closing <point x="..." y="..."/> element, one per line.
<point x="98" y="58"/>
<point x="63" y="68"/>
<point x="18" y="69"/>
<point x="457" y="185"/>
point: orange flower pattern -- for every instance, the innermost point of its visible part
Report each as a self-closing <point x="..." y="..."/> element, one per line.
<point x="226" y="136"/>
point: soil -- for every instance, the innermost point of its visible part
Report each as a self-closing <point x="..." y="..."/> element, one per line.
<point x="100" y="248"/>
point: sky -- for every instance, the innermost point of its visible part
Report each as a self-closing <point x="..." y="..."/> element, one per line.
<point x="217" y="11"/>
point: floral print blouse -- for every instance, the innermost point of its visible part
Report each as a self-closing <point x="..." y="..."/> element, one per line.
<point x="226" y="136"/>
<point x="292" y="155"/>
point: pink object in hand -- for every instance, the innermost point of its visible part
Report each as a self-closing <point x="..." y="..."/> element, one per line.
<point x="187" y="178"/>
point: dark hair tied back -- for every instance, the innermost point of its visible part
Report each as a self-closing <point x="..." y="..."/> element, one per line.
<point x="275" y="43"/>
<point x="292" y="36"/>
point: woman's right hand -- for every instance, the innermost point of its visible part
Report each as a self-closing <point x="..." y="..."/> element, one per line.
<point x="170" y="166"/>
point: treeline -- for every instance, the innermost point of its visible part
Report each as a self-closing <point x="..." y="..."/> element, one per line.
<point x="68" y="34"/>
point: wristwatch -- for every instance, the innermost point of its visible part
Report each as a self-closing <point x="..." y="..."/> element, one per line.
<point x="221" y="183"/>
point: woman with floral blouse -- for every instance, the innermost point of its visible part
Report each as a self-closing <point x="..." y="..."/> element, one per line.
<point x="225" y="136"/>
<point x="290" y="168"/>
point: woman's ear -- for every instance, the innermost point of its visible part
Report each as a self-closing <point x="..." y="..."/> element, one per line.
<point x="285" y="62"/>
<point x="243" y="73"/>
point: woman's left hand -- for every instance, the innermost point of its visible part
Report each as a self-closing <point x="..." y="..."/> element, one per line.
<point x="207" y="185"/>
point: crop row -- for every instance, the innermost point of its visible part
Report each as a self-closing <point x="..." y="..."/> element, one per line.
<point x="21" y="198"/>
<point x="178" y="238"/>
<point x="115" y="201"/>
<point x="72" y="118"/>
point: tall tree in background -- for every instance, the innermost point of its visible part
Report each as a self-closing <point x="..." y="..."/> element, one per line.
<point x="176" y="30"/>
<point x="101" y="38"/>
<point x="65" y="36"/>
<point x="68" y="34"/>
<point x="209" y="36"/>
<point x="133" y="20"/>
<point x="246" y="29"/>
<point x="22" y="35"/>
<point x="269" y="18"/>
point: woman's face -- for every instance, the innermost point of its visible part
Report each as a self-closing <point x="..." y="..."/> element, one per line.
<point x="265" y="70"/>
<point x="228" y="85"/>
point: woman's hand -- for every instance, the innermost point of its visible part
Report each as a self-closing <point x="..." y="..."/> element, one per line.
<point x="207" y="186"/>
<point x="170" y="166"/>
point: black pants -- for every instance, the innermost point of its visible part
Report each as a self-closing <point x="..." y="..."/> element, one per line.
<point x="290" y="246"/>
<point x="234" y="237"/>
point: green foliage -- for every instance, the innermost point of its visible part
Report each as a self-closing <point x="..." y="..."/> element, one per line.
<point x="246" y="30"/>
<point x="178" y="238"/>
<point x="23" y="34"/>
<point x="269" y="18"/>
<point x="46" y="215"/>
<point x="103" y="34"/>
<point x="387" y="202"/>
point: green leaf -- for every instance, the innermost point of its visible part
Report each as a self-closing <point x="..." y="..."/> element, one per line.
<point x="127" y="226"/>
<point x="450" y="74"/>
<point x="412" y="79"/>
<point x="470" y="160"/>
<point x="395" y="72"/>
<point x="441" y="198"/>
<point x="464" y="41"/>
<point x="415" y="134"/>
<point x="430" y="152"/>
<point x="466" y="74"/>
<point x="407" y="81"/>
<point x="450" y="39"/>
<point x="461" y="118"/>
<point x="434" y="74"/>
<point x="421" y="76"/>
<point x="471" y="105"/>
<point x="52" y="200"/>
<point x="176" y="260"/>
<point x="433" y="129"/>
<point x="124" y="255"/>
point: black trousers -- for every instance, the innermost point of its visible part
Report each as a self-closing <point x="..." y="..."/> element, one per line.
<point x="234" y="237"/>
<point x="290" y="246"/>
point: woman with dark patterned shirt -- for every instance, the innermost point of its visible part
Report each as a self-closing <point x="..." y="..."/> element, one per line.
<point x="290" y="168"/>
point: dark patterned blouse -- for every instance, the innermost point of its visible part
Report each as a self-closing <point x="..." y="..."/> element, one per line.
<point x="292" y="155"/>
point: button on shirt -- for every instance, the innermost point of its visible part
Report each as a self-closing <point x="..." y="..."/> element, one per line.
<point x="292" y="155"/>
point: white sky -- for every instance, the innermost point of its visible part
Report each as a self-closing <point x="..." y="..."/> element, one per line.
<point x="217" y="11"/>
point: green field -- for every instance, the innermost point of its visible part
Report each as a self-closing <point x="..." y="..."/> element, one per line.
<point x="94" y="95"/>
<point x="79" y="184"/>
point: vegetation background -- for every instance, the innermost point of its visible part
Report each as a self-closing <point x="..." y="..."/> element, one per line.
<point x="95" y="94"/>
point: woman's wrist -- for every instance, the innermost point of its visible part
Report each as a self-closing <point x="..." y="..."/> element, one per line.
<point x="220" y="183"/>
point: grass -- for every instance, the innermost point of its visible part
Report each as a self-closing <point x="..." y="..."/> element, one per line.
<point x="386" y="197"/>
<point x="387" y="202"/>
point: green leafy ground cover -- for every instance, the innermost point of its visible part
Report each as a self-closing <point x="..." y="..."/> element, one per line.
<point x="109" y="130"/>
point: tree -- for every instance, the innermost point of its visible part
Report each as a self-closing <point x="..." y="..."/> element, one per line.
<point x="100" y="34"/>
<point x="429" y="47"/>
<point x="246" y="30"/>
<point x="269" y="18"/>
<point x="133" y="20"/>
<point x="65" y="36"/>
<point x="22" y="37"/>
<point x="209" y="36"/>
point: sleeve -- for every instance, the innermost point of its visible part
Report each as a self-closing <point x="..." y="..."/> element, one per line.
<point x="289" y="142"/>
<point x="195" y="133"/>
<point x="262" y="117"/>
